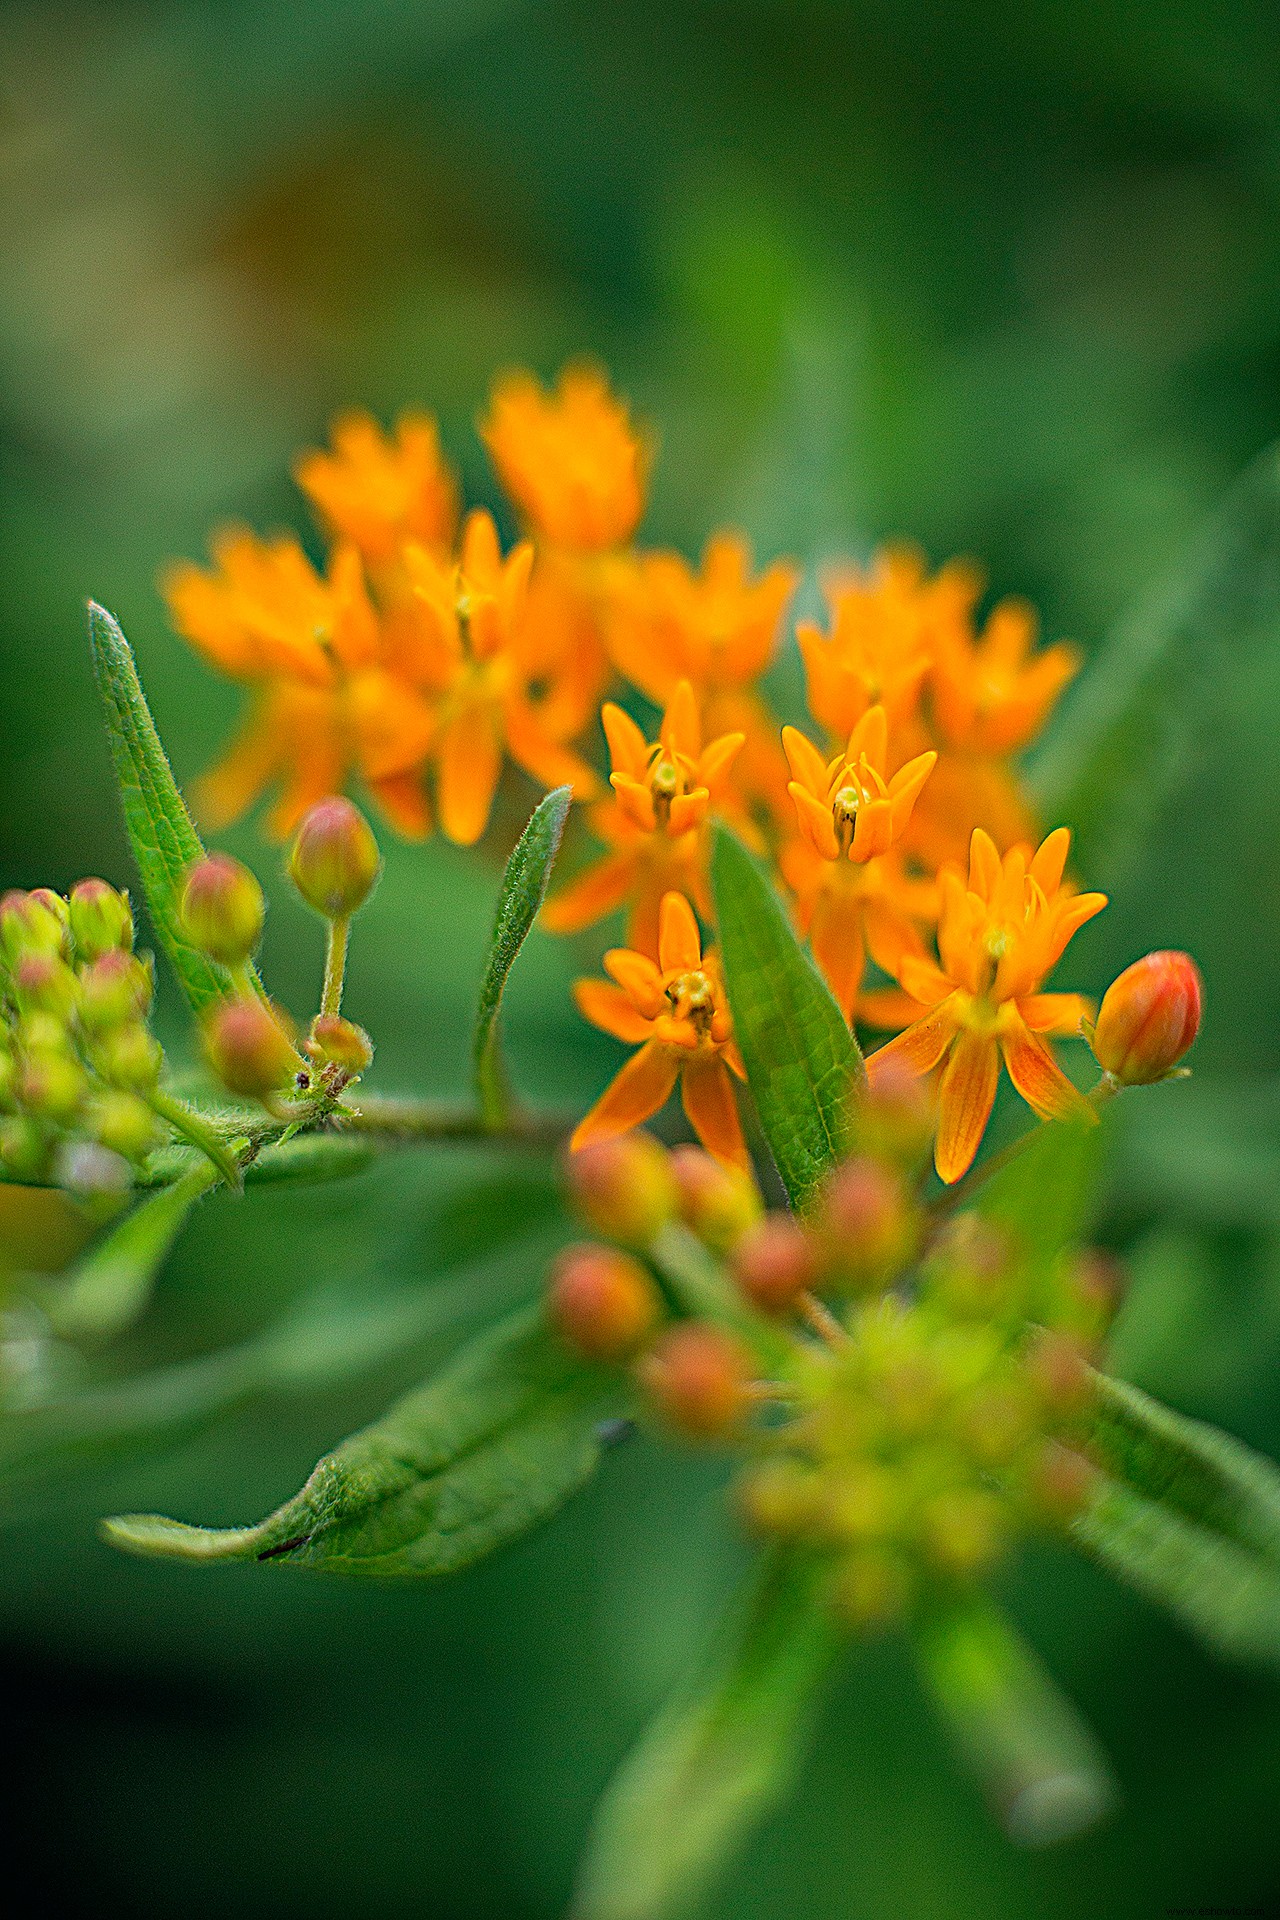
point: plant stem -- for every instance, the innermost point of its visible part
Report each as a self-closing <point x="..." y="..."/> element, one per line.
<point x="225" y="1155"/>
<point x="409" y="1120"/>
<point x="335" y="964"/>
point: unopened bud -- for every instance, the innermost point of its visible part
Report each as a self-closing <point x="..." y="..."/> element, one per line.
<point x="222" y="909"/>
<point x="779" y="1497"/>
<point x="623" y="1187"/>
<point x="1148" y="1018"/>
<point x="335" y="861"/>
<point x="603" y="1301"/>
<point x="895" y="1116"/>
<point x="1091" y="1283"/>
<point x="44" y="983"/>
<point x="101" y="919"/>
<point x="24" y="1150"/>
<point x="699" y="1377"/>
<point x="52" y="1086"/>
<point x="30" y="925"/>
<point x="92" y="1172"/>
<point x="872" y="1589"/>
<point x="970" y="1268"/>
<point x="129" y="1056"/>
<point x="337" y="1042"/>
<point x="775" y="1262"/>
<point x="866" y="1222"/>
<point x="124" y="1123"/>
<point x="963" y="1530"/>
<point x="1058" y="1368"/>
<point x="1060" y="1482"/>
<point x="248" y="1048"/>
<point x="114" y="989"/>
<point x="716" y="1202"/>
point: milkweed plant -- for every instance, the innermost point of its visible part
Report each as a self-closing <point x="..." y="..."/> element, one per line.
<point x="834" y="940"/>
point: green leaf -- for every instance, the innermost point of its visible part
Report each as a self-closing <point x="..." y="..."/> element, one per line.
<point x="1042" y="1199"/>
<point x="492" y="1445"/>
<point x="1039" y="1766"/>
<point x="164" y="841"/>
<point x="802" y="1061"/>
<point x="110" y="1287"/>
<point x="524" y="888"/>
<point x="716" y="1758"/>
<point x="1132" y="731"/>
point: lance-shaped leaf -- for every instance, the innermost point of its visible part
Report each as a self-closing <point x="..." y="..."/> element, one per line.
<point x="492" y="1445"/>
<point x="161" y="834"/>
<point x="1042" y="1771"/>
<point x="110" y="1287"/>
<point x="802" y="1061"/>
<point x="716" y="1759"/>
<point x="524" y="888"/>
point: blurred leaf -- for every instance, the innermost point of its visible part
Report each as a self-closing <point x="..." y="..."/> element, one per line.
<point x="112" y="1285"/>
<point x="1132" y="733"/>
<point x="492" y="1445"/>
<point x="1043" y="1194"/>
<point x="801" y="1058"/>
<point x="524" y="888"/>
<point x="715" y="1759"/>
<point x="164" y="841"/>
<point x="1041" y="1769"/>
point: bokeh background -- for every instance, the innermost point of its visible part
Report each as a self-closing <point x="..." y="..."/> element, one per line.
<point x="1005" y="279"/>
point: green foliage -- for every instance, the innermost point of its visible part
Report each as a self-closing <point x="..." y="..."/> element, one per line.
<point x="479" y="1455"/>
<point x="524" y="888"/>
<point x="716" y="1758"/>
<point x="1044" y="1192"/>
<point x="801" y="1059"/>
<point x="110" y="1287"/>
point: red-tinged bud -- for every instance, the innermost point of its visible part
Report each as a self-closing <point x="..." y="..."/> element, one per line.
<point x="1148" y="1018"/>
<point x="866" y="1222"/>
<point x="895" y="1118"/>
<point x="1060" y="1482"/>
<point x="101" y="919"/>
<point x="52" y="1086"/>
<point x="44" y="983"/>
<point x="129" y="1056"/>
<point x="337" y="1042"/>
<point x="699" y="1377"/>
<point x="335" y="861"/>
<point x="716" y="1202"/>
<point x="775" y="1262"/>
<point x="604" y="1302"/>
<point x="1058" y="1368"/>
<point x="114" y="989"/>
<point x="872" y="1589"/>
<point x="624" y="1188"/>
<point x="123" y="1123"/>
<point x="248" y="1048"/>
<point x="30" y="925"/>
<point x="963" y="1530"/>
<point x="222" y="909"/>
<point x="1091" y="1284"/>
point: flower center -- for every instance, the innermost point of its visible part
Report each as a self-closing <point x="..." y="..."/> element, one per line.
<point x="692" y="996"/>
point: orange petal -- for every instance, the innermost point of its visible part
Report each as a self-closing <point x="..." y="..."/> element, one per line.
<point x="904" y="788"/>
<point x="681" y="728"/>
<point x="679" y="942"/>
<point x="920" y="1048"/>
<point x="806" y="763"/>
<point x="639" y="979"/>
<point x="815" y="821"/>
<point x="635" y="800"/>
<point x="718" y="758"/>
<point x="601" y="889"/>
<point x="402" y="798"/>
<point x="835" y="935"/>
<point x="1056" y="1012"/>
<point x="886" y="1009"/>
<point x="965" y="1099"/>
<point x="470" y="762"/>
<point x="628" y="748"/>
<point x="609" y="1008"/>
<point x="546" y="760"/>
<point x="984" y="864"/>
<point x="706" y="1092"/>
<point x="1039" y="1079"/>
<point x="1049" y="863"/>
<point x="633" y="1096"/>
<point x="870" y="736"/>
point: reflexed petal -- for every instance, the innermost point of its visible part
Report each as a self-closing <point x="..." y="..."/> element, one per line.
<point x="965" y="1099"/>
<point x="1040" y="1080"/>
<point x="628" y="748"/>
<point x="639" y="979"/>
<point x="731" y="1054"/>
<point x="470" y="762"/>
<point x="545" y="759"/>
<point x="633" y="1096"/>
<point x="609" y="1008"/>
<point x="886" y="1009"/>
<point x="402" y="798"/>
<point x="681" y="728"/>
<point x="706" y="1092"/>
<point x="601" y="889"/>
<point x="1056" y="1012"/>
<point x="835" y="935"/>
<point x="679" y="942"/>
<point x="920" y="1048"/>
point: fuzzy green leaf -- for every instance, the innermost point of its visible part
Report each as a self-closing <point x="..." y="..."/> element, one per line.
<point x="161" y="834"/>
<point x="524" y="888"/>
<point x="1039" y="1766"/>
<point x="715" y="1759"/>
<point x="112" y="1284"/>
<point x="492" y="1445"/>
<point x="802" y="1061"/>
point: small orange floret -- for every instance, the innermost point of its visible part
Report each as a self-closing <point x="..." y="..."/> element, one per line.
<point x="846" y="807"/>
<point x="380" y="490"/>
<point x="992" y="694"/>
<point x="676" y="1013"/>
<point x="570" y="458"/>
<point x="714" y="626"/>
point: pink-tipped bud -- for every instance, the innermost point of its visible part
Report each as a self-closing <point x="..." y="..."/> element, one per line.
<point x="603" y="1301"/>
<point x="716" y="1202"/>
<point x="699" y="1377"/>
<point x="1060" y="1482"/>
<point x="624" y="1188"/>
<point x="44" y="983"/>
<point x="1148" y="1018"/>
<point x="247" y="1047"/>
<point x="866" y="1221"/>
<point x="52" y="1086"/>
<point x="115" y="988"/>
<point x="222" y="909"/>
<point x="129" y="1056"/>
<point x="1058" y="1369"/>
<point x="101" y="919"/>
<point x="32" y="923"/>
<point x="125" y="1124"/>
<point x="335" y="861"/>
<point x="775" y="1262"/>
<point x="340" y="1043"/>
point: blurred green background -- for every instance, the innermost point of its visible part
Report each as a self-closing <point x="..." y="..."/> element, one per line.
<point x="1005" y="279"/>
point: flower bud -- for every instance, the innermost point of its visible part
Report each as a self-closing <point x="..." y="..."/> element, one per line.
<point x="895" y="1116"/>
<point x="30" y="925"/>
<point x="222" y="909"/>
<point x="779" y="1497"/>
<point x="337" y="1042"/>
<point x="52" y="1086"/>
<point x="699" y="1377"/>
<point x="873" y="1589"/>
<point x="775" y="1262"/>
<point x="248" y="1049"/>
<point x="716" y="1202"/>
<point x="1058" y="1369"/>
<point x="129" y="1056"/>
<point x="866" y="1222"/>
<point x="92" y="1172"/>
<point x="603" y="1301"/>
<point x="623" y="1187"/>
<point x="24" y="1150"/>
<point x="1060" y="1482"/>
<point x="1148" y="1018"/>
<point x="114" y="989"/>
<point x="970" y="1268"/>
<point x="335" y="860"/>
<point x="44" y="983"/>
<point x="101" y="919"/>
<point x="963" y="1530"/>
<point x="123" y="1123"/>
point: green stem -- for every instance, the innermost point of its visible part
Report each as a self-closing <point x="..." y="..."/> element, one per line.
<point x="225" y="1155"/>
<point x="335" y="964"/>
<point x="409" y="1120"/>
<point x="977" y="1177"/>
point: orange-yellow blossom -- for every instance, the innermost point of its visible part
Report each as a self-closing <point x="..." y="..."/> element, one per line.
<point x="663" y="791"/>
<point x="380" y="490"/>
<point x="846" y="807"/>
<point x="999" y="936"/>
<point x="675" y="1011"/>
<point x="991" y="693"/>
<point x="570" y="458"/>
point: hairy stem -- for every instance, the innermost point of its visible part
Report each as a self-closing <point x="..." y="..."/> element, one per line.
<point x="335" y="964"/>
<point x="224" y="1154"/>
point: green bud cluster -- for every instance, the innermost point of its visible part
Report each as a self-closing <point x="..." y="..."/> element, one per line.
<point x="78" y="1060"/>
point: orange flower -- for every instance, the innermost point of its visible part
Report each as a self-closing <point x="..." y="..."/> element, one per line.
<point x="992" y="695"/>
<point x="663" y="792"/>
<point x="466" y="650"/>
<point x="845" y="806"/>
<point x="676" y="1013"/>
<point x="380" y="490"/>
<point x="570" y="459"/>
<point x="998" y="939"/>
